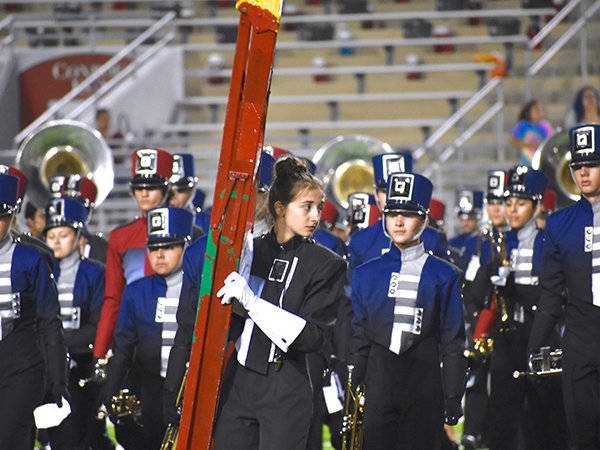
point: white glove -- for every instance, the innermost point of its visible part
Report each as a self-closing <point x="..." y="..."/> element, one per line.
<point x="237" y="287"/>
<point x="500" y="279"/>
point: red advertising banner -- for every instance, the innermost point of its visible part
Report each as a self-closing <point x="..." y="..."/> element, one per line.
<point x="51" y="80"/>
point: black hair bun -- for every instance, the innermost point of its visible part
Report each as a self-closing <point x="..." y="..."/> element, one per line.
<point x="290" y="167"/>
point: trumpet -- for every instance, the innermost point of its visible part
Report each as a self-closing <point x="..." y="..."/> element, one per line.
<point x="352" y="423"/>
<point x="170" y="440"/>
<point x="543" y="364"/>
<point x="126" y="404"/>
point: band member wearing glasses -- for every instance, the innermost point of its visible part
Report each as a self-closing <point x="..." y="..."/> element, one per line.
<point x="570" y="283"/>
<point x="408" y="317"/>
<point x="290" y="303"/>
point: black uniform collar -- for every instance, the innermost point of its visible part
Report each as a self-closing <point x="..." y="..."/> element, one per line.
<point x="292" y="244"/>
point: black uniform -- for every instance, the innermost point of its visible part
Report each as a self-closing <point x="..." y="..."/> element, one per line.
<point x="267" y="397"/>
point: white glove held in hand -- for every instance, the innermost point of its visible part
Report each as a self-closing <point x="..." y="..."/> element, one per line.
<point x="500" y="279"/>
<point x="237" y="287"/>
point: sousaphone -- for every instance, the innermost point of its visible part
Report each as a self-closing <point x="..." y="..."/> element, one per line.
<point x="65" y="147"/>
<point x="552" y="158"/>
<point x="345" y="165"/>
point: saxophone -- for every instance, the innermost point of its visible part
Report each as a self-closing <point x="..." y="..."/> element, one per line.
<point x="352" y="423"/>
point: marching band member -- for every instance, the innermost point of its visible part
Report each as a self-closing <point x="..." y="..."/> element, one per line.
<point x="183" y="188"/>
<point x="80" y="284"/>
<point x="127" y="261"/>
<point x="29" y="308"/>
<point x="84" y="190"/>
<point x="372" y="242"/>
<point x="267" y="398"/>
<point x="193" y="264"/>
<point x="146" y="325"/>
<point x="570" y="287"/>
<point x="517" y="295"/>
<point x="404" y="327"/>
<point x="476" y="394"/>
<point x="469" y="208"/>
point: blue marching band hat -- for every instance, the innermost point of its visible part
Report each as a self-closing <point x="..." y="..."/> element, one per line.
<point x="495" y="186"/>
<point x="585" y="145"/>
<point x="408" y="192"/>
<point x="387" y="163"/>
<point x="65" y="212"/>
<point x="266" y="172"/>
<point x="9" y="194"/>
<point x="169" y="225"/>
<point x="469" y="204"/>
<point x="358" y="208"/>
<point x="183" y="174"/>
<point x="525" y="182"/>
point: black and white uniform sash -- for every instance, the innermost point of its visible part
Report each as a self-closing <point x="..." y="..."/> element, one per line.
<point x="70" y="315"/>
<point x="166" y="313"/>
<point x="592" y="237"/>
<point x="10" y="302"/>
<point x="403" y="288"/>
<point x="521" y="262"/>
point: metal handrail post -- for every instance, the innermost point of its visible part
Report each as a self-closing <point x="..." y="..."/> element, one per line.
<point x="500" y="124"/>
<point x="121" y="76"/>
<point x="435" y="137"/>
<point x="583" y="43"/>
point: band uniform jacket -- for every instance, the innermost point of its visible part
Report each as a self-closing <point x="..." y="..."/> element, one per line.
<point x="372" y="242"/>
<point x="302" y="277"/>
<point x="28" y="304"/>
<point x="568" y="278"/>
<point x="436" y="311"/>
<point x="80" y="284"/>
<point x="146" y="325"/>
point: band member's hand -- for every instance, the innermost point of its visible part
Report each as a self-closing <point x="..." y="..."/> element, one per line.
<point x="170" y="414"/>
<point x="453" y="410"/>
<point x="237" y="287"/>
<point x="58" y="391"/>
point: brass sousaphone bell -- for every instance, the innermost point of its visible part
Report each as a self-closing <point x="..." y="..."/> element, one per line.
<point x="345" y="165"/>
<point x="552" y="158"/>
<point x="65" y="147"/>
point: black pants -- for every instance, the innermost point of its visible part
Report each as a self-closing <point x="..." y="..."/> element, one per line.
<point x="19" y="396"/>
<point x="517" y="406"/>
<point x="581" y="389"/>
<point x="476" y="398"/>
<point x="266" y="412"/>
<point x="404" y="402"/>
<point x="74" y="432"/>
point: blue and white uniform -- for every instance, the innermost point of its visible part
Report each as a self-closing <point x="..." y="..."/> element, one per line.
<point x="31" y="335"/>
<point x="408" y="316"/>
<point x="570" y="291"/>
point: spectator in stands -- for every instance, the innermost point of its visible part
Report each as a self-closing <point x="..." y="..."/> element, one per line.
<point x="103" y="126"/>
<point x="36" y="219"/>
<point x="531" y="130"/>
<point x="585" y="109"/>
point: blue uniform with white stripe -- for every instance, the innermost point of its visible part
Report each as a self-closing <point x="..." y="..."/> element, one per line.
<point x="28" y="307"/>
<point x="570" y="267"/>
<point x="146" y="328"/>
<point x="408" y="317"/>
